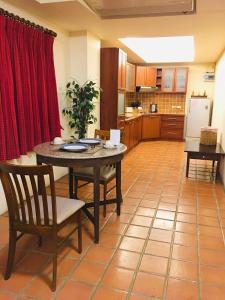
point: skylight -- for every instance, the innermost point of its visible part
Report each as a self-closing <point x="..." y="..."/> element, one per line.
<point x="172" y="49"/>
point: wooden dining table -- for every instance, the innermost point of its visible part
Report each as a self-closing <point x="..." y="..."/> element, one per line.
<point x="95" y="157"/>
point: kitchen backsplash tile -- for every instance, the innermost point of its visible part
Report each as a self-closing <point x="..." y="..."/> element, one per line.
<point x="166" y="102"/>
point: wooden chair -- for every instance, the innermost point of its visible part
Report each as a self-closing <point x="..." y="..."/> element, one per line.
<point x="107" y="173"/>
<point x="32" y="211"/>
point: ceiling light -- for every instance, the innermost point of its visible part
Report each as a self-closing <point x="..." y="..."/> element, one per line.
<point x="162" y="49"/>
<point x="110" y="9"/>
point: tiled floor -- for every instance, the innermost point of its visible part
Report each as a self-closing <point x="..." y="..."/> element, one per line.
<point x="168" y="242"/>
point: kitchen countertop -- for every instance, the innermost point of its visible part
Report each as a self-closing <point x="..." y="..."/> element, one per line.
<point x="127" y="118"/>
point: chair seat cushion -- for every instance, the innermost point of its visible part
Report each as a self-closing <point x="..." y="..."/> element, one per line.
<point x="106" y="172"/>
<point x="65" y="208"/>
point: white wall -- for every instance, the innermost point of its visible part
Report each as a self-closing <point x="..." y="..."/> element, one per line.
<point x="218" y="119"/>
<point x="196" y="82"/>
<point x="61" y="54"/>
<point x="85" y="65"/>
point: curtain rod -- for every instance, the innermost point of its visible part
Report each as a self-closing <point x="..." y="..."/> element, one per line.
<point x="26" y="22"/>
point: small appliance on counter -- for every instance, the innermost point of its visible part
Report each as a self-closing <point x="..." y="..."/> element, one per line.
<point x="153" y="108"/>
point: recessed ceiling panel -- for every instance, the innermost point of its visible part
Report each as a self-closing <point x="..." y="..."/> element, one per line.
<point x="109" y="9"/>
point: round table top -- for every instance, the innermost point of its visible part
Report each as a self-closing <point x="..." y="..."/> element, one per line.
<point x="98" y="152"/>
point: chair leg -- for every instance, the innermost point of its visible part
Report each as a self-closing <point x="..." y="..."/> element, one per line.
<point x="79" y="231"/>
<point x="75" y="187"/>
<point x="11" y="253"/>
<point x="54" y="260"/>
<point x="105" y="195"/>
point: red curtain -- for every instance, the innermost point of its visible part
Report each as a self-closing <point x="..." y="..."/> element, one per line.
<point x="29" y="112"/>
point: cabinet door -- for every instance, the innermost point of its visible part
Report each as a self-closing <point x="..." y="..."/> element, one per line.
<point x="130" y="77"/>
<point x="151" y="127"/>
<point x="150" y="79"/>
<point x="140" y="75"/>
<point x="181" y="77"/>
<point x="122" y="60"/>
<point x="126" y="137"/>
<point x="168" y="77"/>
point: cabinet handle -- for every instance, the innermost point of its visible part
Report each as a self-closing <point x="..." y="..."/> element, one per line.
<point x="169" y="132"/>
<point x="171" y="124"/>
<point x="171" y="119"/>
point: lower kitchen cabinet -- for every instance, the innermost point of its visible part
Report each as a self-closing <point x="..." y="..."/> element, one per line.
<point x="172" y="127"/>
<point x="132" y="132"/>
<point x="151" y="127"/>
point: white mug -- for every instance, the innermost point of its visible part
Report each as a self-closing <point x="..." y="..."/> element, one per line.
<point x="58" y="140"/>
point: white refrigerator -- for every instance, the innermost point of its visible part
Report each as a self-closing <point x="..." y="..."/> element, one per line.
<point x="198" y="115"/>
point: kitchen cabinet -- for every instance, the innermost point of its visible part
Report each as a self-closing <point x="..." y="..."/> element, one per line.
<point x="181" y="77"/>
<point x="173" y="80"/>
<point x="151" y="127"/>
<point x="132" y="132"/>
<point x="130" y="77"/>
<point x="122" y="70"/>
<point x="145" y="76"/>
<point x="112" y="83"/>
<point x="172" y="127"/>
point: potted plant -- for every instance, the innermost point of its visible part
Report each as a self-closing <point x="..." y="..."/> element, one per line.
<point x="80" y="112"/>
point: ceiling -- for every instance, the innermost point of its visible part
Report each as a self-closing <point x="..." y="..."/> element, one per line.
<point x="207" y="25"/>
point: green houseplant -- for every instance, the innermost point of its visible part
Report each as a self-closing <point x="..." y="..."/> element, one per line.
<point x="80" y="111"/>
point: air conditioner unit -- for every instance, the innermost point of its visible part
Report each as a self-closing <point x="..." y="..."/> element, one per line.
<point x="209" y="76"/>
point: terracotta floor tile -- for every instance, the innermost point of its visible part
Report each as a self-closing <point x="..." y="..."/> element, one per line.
<point x="185" y="253"/>
<point x="209" y="221"/>
<point x="154" y="264"/>
<point x="212" y="275"/>
<point x="184" y="270"/>
<point x="211" y="257"/>
<point x="16" y="283"/>
<point x="115" y="228"/>
<point x="99" y="254"/>
<point x="88" y="272"/>
<point x="7" y="296"/>
<point x="149" y="285"/>
<point x="163" y="224"/>
<point x="147" y="212"/>
<point x="118" y="278"/>
<point x="211" y="242"/>
<point x="210" y="231"/>
<point x="188" y="218"/>
<point x="138" y="297"/>
<point x="185" y="239"/>
<point x="186" y="227"/>
<point x="167" y="206"/>
<point x="126" y="259"/>
<point x="109" y="240"/>
<point x="187" y="209"/>
<point x="132" y="244"/>
<point x="137" y="231"/>
<point x="104" y="293"/>
<point x="207" y="212"/>
<point x="158" y="248"/>
<point x="163" y="214"/>
<point x="128" y="208"/>
<point x="211" y="292"/>
<point x="180" y="289"/>
<point x="161" y="235"/>
<point x="78" y="290"/>
<point x="142" y="221"/>
<point x="169" y="199"/>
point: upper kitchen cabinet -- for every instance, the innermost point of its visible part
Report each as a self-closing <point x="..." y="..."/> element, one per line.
<point x="174" y="80"/>
<point x="181" y="77"/>
<point x="113" y="84"/>
<point x="145" y="76"/>
<point x="122" y="62"/>
<point x="130" y="77"/>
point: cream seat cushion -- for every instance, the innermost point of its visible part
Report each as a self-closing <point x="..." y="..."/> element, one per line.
<point x="65" y="207"/>
<point x="106" y="172"/>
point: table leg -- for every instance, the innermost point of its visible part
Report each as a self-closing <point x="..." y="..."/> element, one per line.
<point x="71" y="195"/>
<point x="218" y="169"/>
<point x="96" y="203"/>
<point x="188" y="163"/>
<point x="118" y="187"/>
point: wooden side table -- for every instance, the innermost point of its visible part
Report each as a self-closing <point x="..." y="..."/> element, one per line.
<point x="203" y="152"/>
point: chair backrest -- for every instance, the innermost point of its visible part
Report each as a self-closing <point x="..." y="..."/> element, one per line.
<point x="26" y="195"/>
<point x="102" y="134"/>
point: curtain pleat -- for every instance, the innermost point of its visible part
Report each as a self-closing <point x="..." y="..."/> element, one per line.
<point x="29" y="112"/>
